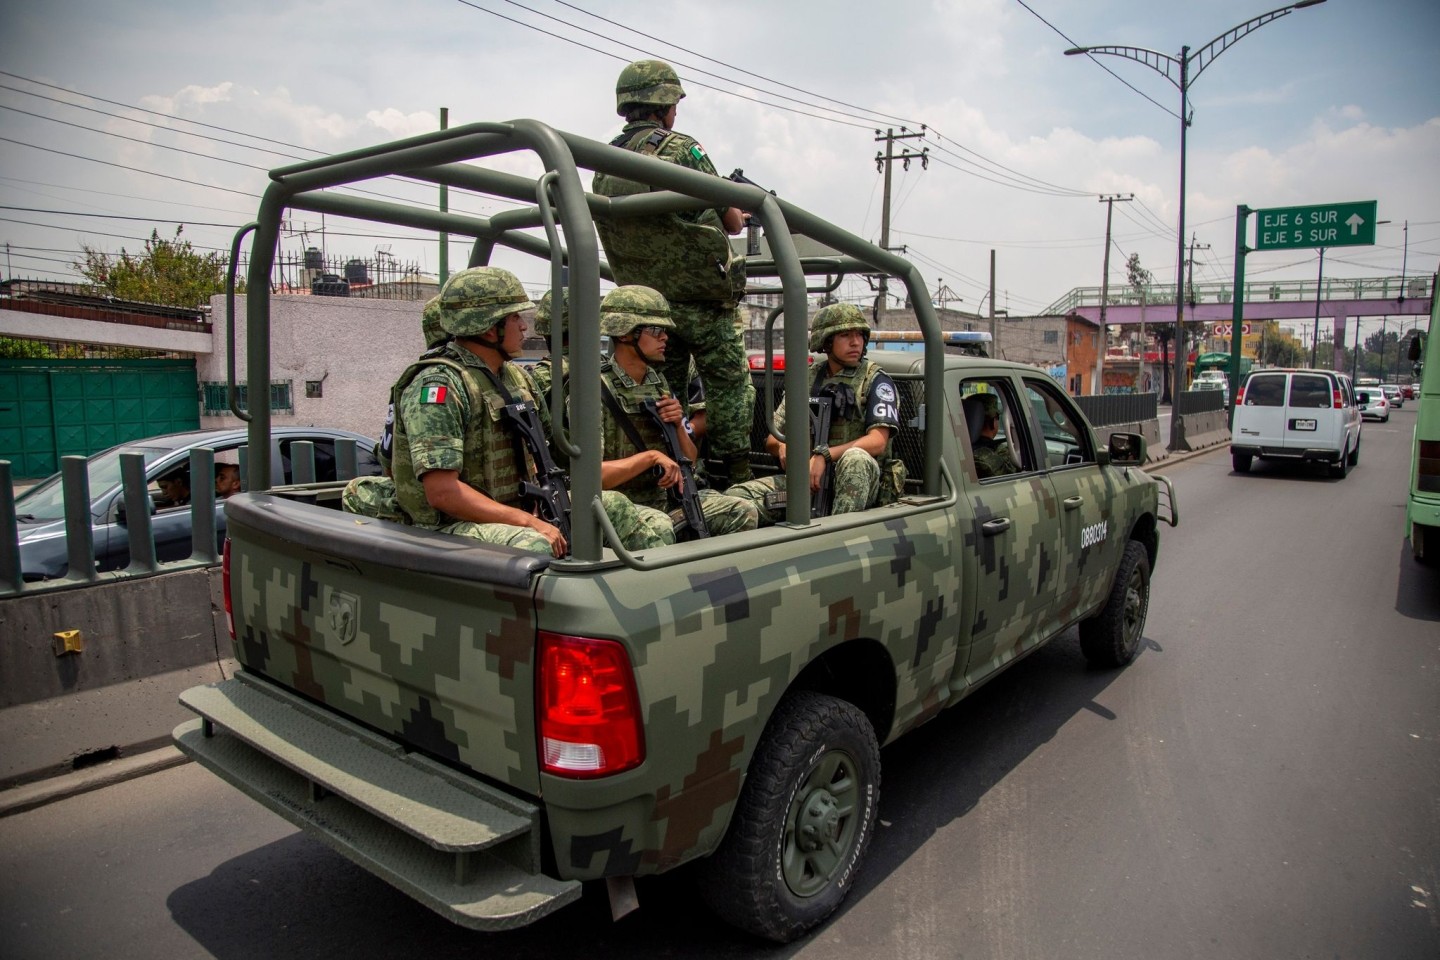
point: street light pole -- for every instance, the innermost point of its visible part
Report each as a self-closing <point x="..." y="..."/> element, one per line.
<point x="1177" y="71"/>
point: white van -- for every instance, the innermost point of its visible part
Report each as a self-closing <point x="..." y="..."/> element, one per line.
<point x="1296" y="415"/>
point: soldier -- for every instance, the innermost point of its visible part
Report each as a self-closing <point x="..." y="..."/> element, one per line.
<point x="991" y="459"/>
<point x="454" y="462"/>
<point x="687" y="257"/>
<point x="634" y="458"/>
<point x="865" y="415"/>
<point x="543" y="371"/>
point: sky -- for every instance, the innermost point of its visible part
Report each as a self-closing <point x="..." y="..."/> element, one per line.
<point x="1333" y="103"/>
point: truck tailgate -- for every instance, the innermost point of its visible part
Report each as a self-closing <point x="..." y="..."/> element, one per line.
<point x="426" y="638"/>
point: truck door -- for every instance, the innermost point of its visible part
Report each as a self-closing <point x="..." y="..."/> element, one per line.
<point x="1013" y="543"/>
<point x="1089" y="543"/>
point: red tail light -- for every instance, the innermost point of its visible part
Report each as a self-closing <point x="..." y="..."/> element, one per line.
<point x="225" y="579"/>
<point x="587" y="707"/>
<point x="1239" y="396"/>
<point x="1336" y="402"/>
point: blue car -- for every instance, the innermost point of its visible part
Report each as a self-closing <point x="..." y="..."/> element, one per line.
<point x="40" y="511"/>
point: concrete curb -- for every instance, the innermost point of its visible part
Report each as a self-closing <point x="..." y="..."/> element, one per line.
<point x="33" y="795"/>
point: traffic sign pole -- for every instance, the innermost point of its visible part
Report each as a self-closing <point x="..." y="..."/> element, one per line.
<point x="1237" y="312"/>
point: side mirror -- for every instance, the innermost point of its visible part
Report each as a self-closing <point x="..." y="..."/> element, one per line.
<point x="120" y="516"/>
<point x="1127" y="449"/>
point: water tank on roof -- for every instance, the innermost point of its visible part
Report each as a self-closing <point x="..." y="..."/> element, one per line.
<point x="330" y="285"/>
<point x="314" y="259"/>
<point x="355" y="272"/>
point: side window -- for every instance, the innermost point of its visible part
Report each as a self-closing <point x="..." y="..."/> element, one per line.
<point x="1265" y="391"/>
<point x="995" y="429"/>
<point x="1062" y="430"/>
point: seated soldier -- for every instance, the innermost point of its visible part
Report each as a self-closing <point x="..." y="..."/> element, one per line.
<point x="865" y="415"/>
<point x="992" y="458"/>
<point x="637" y="461"/>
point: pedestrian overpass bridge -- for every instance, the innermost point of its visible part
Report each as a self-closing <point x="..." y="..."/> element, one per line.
<point x="1339" y="300"/>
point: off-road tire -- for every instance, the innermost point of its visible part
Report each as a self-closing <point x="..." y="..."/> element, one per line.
<point x="802" y="823"/>
<point x="1240" y="462"/>
<point x="1341" y="467"/>
<point x="1111" y="638"/>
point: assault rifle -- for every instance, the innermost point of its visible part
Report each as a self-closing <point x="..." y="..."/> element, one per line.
<point x="754" y="225"/>
<point x="822" y="409"/>
<point x="689" y="492"/>
<point x="547" y="490"/>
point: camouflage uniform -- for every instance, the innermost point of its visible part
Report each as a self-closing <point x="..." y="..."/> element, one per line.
<point x="857" y="479"/>
<point x="678" y="254"/>
<point x="722" y="514"/>
<point x="543" y="371"/>
<point x="372" y="497"/>
<point x="992" y="458"/>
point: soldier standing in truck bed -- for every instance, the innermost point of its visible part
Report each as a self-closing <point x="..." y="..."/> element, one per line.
<point x="687" y="257"/>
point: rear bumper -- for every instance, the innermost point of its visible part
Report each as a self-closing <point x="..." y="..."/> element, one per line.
<point x="1266" y="452"/>
<point x="466" y="850"/>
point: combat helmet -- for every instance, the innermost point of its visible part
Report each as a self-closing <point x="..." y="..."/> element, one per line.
<point x="836" y="318"/>
<point x="542" y="313"/>
<point x="430" y="325"/>
<point x="475" y="300"/>
<point x="626" y="308"/>
<point x="647" y="83"/>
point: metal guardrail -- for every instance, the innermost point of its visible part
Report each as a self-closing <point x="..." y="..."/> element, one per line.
<point x="1198" y="401"/>
<point x="79" y="532"/>
<point x="1157" y="295"/>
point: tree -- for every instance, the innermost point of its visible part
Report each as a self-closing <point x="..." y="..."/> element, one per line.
<point x="169" y="272"/>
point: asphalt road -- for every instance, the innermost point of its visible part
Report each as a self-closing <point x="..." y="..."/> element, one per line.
<point x="1264" y="781"/>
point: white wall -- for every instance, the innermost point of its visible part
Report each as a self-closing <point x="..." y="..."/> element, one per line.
<point x="357" y="347"/>
<point x="41" y="326"/>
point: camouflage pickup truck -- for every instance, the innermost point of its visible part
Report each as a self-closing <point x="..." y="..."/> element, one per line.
<point x="487" y="729"/>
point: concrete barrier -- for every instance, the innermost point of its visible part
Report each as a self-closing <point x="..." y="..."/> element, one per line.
<point x="140" y="643"/>
<point x="1197" y="431"/>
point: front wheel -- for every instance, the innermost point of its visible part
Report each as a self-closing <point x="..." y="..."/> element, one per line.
<point x="802" y="823"/>
<point x="1111" y="638"/>
<point x="1240" y="462"/>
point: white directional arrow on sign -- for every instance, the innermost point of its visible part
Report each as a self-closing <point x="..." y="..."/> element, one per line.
<point x="1354" y="223"/>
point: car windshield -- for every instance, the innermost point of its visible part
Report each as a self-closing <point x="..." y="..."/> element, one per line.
<point x="46" y="501"/>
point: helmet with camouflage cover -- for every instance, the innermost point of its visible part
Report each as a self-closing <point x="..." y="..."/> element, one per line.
<point x="430" y="324"/>
<point x="626" y="308"/>
<point x="836" y="318"/>
<point x="647" y="83"/>
<point x="543" y="309"/>
<point x="475" y="300"/>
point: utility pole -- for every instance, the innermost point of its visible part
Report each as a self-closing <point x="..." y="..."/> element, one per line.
<point x="994" y="339"/>
<point x="1190" y="296"/>
<point x="883" y="162"/>
<point x="1109" y="200"/>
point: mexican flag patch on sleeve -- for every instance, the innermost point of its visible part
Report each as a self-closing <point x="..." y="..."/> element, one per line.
<point x="433" y="393"/>
<point x="697" y="151"/>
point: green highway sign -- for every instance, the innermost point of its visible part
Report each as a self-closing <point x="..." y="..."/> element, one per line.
<point x="1324" y="225"/>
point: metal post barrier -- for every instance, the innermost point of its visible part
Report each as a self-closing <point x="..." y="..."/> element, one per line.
<point x="79" y="529"/>
<point x="243" y="457"/>
<point x="302" y="461"/>
<point x="11" y="578"/>
<point x="347" y="459"/>
<point x="202" y="505"/>
<point x="136" y="518"/>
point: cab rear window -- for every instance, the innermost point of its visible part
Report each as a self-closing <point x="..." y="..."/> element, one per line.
<point x="1309" y="390"/>
<point x="1265" y="391"/>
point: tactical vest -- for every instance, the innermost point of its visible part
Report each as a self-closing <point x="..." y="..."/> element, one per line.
<point x="682" y="259"/>
<point x="852" y="427"/>
<point x="490" y="450"/>
<point x="642" y="488"/>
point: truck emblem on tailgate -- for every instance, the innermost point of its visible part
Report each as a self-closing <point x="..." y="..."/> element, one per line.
<point x="343" y="621"/>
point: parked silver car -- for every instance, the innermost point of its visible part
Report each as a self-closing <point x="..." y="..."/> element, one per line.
<point x="40" y="511"/>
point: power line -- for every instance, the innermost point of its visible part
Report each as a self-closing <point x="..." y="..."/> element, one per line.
<point x="111" y="163"/>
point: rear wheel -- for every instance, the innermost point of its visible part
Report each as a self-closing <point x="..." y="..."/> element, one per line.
<point x="1341" y="467"/>
<point x="1240" y="462"/>
<point x="1111" y="638"/>
<point x="802" y="823"/>
<point x="1355" y="454"/>
<point x="1425" y="544"/>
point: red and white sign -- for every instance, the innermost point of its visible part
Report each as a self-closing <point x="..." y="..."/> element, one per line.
<point x="1223" y="330"/>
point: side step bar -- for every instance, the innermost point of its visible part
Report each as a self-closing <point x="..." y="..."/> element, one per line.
<point x="466" y="850"/>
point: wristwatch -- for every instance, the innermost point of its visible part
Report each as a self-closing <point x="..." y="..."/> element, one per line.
<point x="822" y="450"/>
